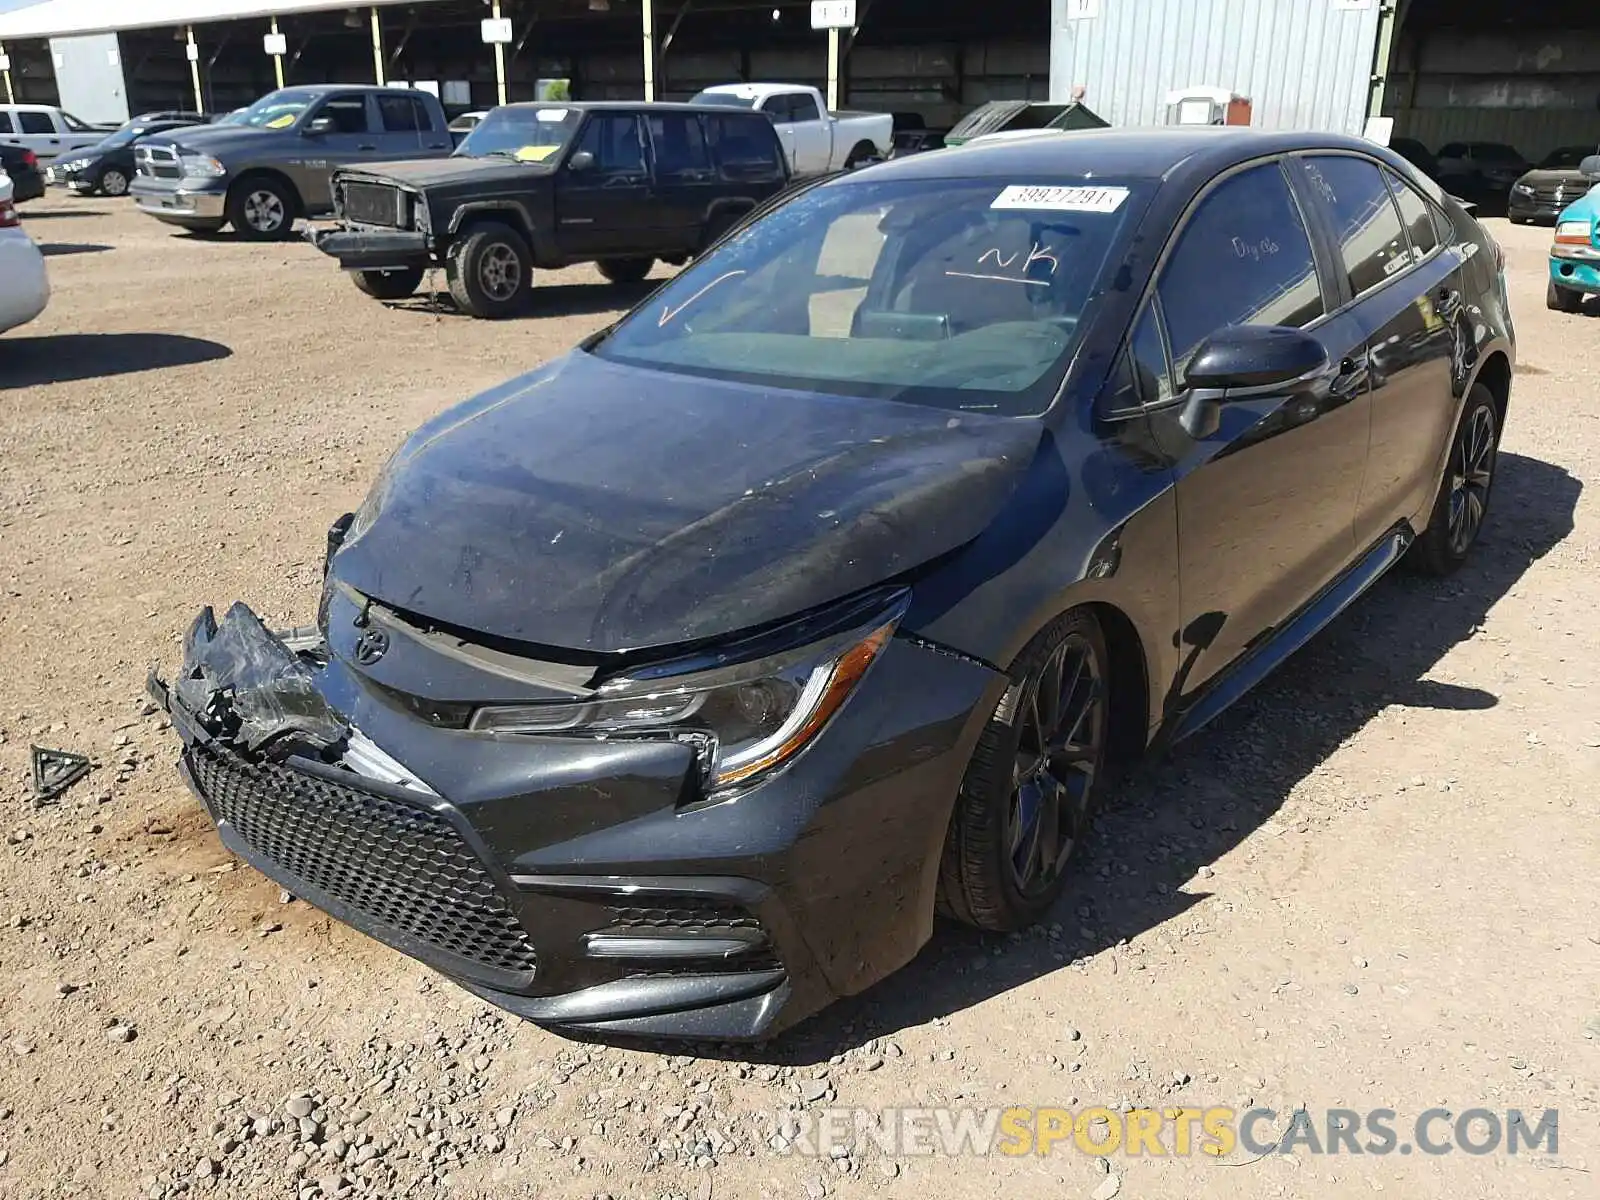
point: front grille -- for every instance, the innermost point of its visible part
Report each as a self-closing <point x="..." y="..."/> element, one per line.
<point x="1559" y="194"/>
<point x="396" y="867"/>
<point x="373" y="204"/>
<point x="157" y="162"/>
<point x="696" y="913"/>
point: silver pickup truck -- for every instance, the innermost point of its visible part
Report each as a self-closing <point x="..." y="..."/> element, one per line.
<point x="271" y="163"/>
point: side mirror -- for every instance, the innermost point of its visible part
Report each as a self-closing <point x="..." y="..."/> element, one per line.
<point x="1590" y="167"/>
<point x="318" y="126"/>
<point x="1244" y="360"/>
<point x="582" y="161"/>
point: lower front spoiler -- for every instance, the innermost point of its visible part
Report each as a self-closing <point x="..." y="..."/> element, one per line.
<point x="742" y="1006"/>
<point x="181" y="206"/>
<point x="372" y="250"/>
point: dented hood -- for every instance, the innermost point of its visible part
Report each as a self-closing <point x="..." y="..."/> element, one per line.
<point x="605" y="508"/>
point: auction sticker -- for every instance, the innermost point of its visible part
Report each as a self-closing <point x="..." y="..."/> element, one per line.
<point x="1063" y="199"/>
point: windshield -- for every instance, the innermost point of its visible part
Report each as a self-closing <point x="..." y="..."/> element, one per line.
<point x="1567" y="156"/>
<point x="959" y="294"/>
<point x="526" y="133"/>
<point x="725" y="99"/>
<point x="74" y="124"/>
<point x="277" y="110"/>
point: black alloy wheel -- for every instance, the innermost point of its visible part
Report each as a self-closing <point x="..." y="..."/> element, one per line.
<point x="1033" y="783"/>
<point x="1463" y="501"/>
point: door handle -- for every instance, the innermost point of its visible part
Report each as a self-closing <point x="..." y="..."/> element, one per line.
<point x="366" y="146"/>
<point x="1448" y="298"/>
<point x="1352" y="376"/>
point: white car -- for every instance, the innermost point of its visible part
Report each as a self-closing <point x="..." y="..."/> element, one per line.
<point x="817" y="141"/>
<point x="46" y="130"/>
<point x="24" y="286"/>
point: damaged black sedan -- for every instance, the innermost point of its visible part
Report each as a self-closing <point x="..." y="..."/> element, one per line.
<point x="672" y="688"/>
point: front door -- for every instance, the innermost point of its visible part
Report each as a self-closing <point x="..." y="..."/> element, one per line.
<point x="813" y="138"/>
<point x="37" y="131"/>
<point x="353" y="141"/>
<point x="602" y="206"/>
<point x="1265" y="504"/>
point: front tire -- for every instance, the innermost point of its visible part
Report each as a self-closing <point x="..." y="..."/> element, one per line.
<point x="625" y="270"/>
<point x="490" y="271"/>
<point x="396" y="284"/>
<point x="1463" y="502"/>
<point x="1563" y="299"/>
<point x="1033" y="782"/>
<point x="113" y="182"/>
<point x="261" y="210"/>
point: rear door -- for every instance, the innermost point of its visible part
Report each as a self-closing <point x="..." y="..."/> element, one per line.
<point x="1407" y="294"/>
<point x="400" y="125"/>
<point x="687" y="185"/>
<point x="605" y="210"/>
<point x="1266" y="504"/>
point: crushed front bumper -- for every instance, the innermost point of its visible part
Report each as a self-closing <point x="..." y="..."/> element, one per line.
<point x="584" y="885"/>
<point x="372" y="250"/>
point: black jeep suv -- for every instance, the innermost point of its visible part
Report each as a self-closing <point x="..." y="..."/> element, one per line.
<point x="549" y="185"/>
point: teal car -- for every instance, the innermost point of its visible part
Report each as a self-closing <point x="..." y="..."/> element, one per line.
<point x="1575" y="255"/>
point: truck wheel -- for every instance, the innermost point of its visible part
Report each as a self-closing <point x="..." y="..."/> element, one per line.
<point x="625" y="270"/>
<point x="864" y="155"/>
<point x="261" y="209"/>
<point x="396" y="284"/>
<point x="489" y="271"/>
<point x="1562" y="299"/>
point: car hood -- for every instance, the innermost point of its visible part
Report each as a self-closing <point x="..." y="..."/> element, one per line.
<point x="1551" y="178"/>
<point x="434" y="172"/>
<point x="219" y="140"/>
<point x="601" y="508"/>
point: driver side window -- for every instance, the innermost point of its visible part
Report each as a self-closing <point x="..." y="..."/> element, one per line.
<point x="614" y="141"/>
<point x="348" y="113"/>
<point x="1244" y="258"/>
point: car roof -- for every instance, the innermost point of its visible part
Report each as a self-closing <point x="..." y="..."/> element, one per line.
<point x="1119" y="153"/>
<point x="626" y="106"/>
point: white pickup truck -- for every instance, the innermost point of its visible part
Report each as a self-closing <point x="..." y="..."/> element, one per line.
<point x="816" y="140"/>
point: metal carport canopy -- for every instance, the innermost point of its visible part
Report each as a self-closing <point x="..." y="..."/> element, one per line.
<point x="64" y="18"/>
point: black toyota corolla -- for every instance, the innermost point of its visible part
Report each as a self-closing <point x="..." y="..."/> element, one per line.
<point x="673" y="687"/>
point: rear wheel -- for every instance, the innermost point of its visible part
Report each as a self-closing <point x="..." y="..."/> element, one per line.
<point x="1563" y="299"/>
<point x="490" y="271"/>
<point x="625" y="270"/>
<point x="395" y="284"/>
<point x="717" y="227"/>
<point x="261" y="209"/>
<point x="1032" y="785"/>
<point x="1463" y="502"/>
<point x="863" y="155"/>
<point x="113" y="182"/>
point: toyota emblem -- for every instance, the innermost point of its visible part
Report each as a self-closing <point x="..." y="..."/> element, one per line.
<point x="374" y="644"/>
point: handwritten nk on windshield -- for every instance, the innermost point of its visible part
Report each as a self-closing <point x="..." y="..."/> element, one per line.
<point x="1024" y="274"/>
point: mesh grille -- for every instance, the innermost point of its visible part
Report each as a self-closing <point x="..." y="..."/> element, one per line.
<point x="402" y="867"/>
<point x="704" y="914"/>
<point x="372" y="204"/>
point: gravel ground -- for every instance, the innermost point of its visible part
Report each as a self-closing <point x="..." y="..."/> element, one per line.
<point x="1371" y="886"/>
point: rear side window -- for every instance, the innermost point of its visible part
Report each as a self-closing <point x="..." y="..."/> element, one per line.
<point x="399" y="114"/>
<point x="744" y="146"/>
<point x="36" y="122"/>
<point x="680" y="147"/>
<point x="1244" y="258"/>
<point x="804" y="108"/>
<point x="1417" y="216"/>
<point x="1365" y="222"/>
<point x="5" y="123"/>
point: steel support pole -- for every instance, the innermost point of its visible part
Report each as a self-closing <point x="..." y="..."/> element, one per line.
<point x="377" y="47"/>
<point x="833" y="70"/>
<point x="10" y="96"/>
<point x="193" y="53"/>
<point x="648" y="7"/>
<point x="277" y="59"/>
<point x="499" y="60"/>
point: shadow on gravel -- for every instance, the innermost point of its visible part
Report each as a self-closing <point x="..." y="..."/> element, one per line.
<point x="1179" y="812"/>
<point x="28" y="361"/>
<point x="555" y="300"/>
<point x="61" y="249"/>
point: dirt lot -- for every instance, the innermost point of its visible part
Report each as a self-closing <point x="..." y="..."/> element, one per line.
<point x="1372" y="886"/>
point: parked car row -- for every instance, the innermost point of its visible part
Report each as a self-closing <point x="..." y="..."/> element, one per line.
<point x="1495" y="173"/>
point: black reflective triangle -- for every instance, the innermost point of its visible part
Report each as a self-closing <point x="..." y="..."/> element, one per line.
<point x="54" y="771"/>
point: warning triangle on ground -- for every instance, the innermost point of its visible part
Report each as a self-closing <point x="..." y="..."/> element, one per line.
<point x="54" y="771"/>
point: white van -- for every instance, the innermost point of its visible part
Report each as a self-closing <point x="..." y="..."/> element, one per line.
<point x="46" y="130"/>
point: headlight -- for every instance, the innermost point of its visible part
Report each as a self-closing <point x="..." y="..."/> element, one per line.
<point x="1523" y="189"/>
<point x="201" y="166"/>
<point x="1573" y="231"/>
<point x="743" y="720"/>
<point x="419" y="215"/>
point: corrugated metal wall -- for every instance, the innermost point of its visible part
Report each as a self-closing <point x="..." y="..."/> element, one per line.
<point x="1305" y="64"/>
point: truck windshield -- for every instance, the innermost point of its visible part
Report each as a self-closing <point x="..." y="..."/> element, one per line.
<point x="725" y="99"/>
<point x="956" y="293"/>
<point x="526" y="133"/>
<point x="277" y="110"/>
